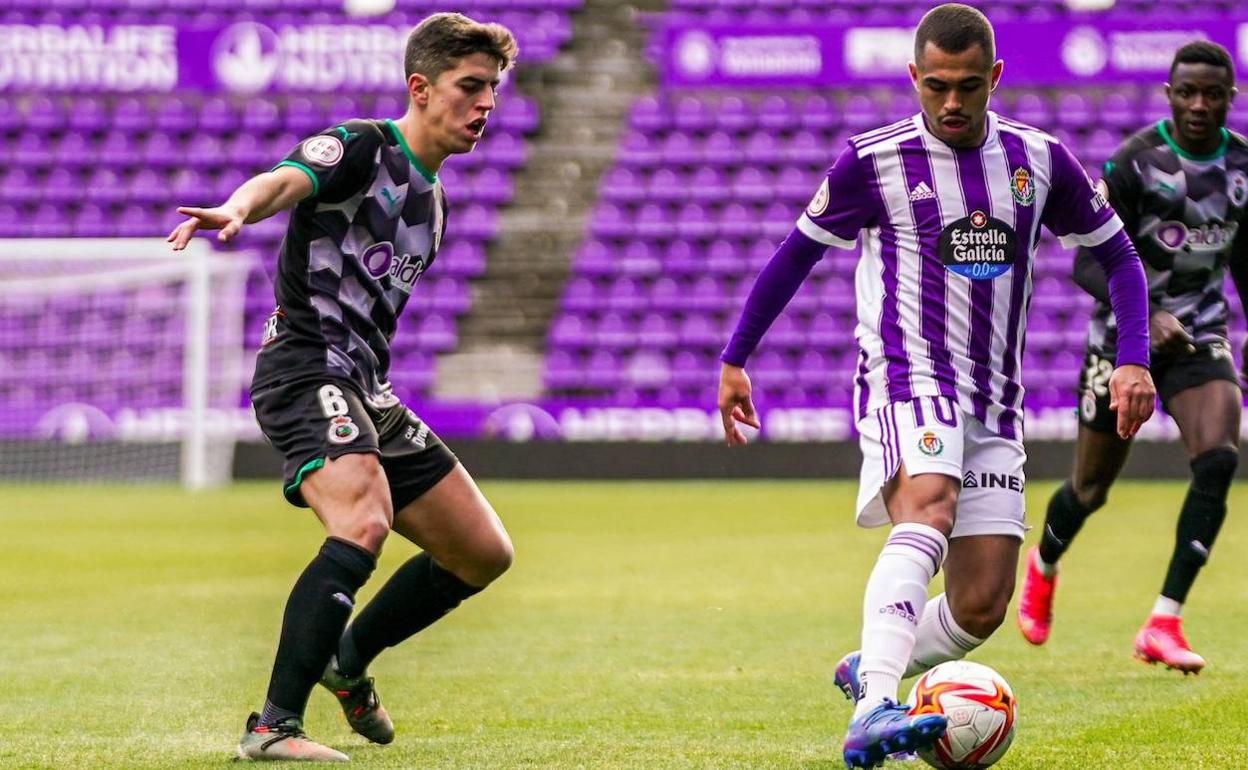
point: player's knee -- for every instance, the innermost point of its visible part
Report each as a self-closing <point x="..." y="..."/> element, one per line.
<point x="1212" y="471"/>
<point x="489" y="560"/>
<point x="981" y="615"/>
<point x="1090" y="493"/>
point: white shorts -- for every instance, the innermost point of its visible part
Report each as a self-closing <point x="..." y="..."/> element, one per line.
<point x="931" y="434"/>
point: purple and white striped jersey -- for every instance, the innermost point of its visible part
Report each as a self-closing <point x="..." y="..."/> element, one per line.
<point x="945" y="275"/>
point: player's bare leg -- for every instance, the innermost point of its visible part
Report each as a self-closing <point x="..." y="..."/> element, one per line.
<point x="465" y="547"/>
<point x="922" y="511"/>
<point x="1099" y="458"/>
<point x="1208" y="417"/>
<point x="351" y="498"/>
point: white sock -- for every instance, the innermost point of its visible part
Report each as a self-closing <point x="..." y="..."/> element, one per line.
<point x="892" y="608"/>
<point x="939" y="638"/>
<point x="1164" y="606"/>
<point x="1046" y="569"/>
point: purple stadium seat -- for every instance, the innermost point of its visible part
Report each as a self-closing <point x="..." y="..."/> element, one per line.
<point x="580" y="295"/>
<point x="43" y="114"/>
<point x="175" y="115"/>
<point x="217" y="115"/>
<point x="733" y="115"/>
<point x="720" y="149"/>
<point x="693" y="221"/>
<point x="563" y="371"/>
<point x="647" y="369"/>
<point x="10" y="117"/>
<point x="723" y="257"/>
<point x="806" y="148"/>
<point x="638" y="259"/>
<point x="620" y="184"/>
<point x="602" y="370"/>
<point x="130" y="114"/>
<point x="667" y="294"/>
<point x="776" y="113"/>
<point x="818" y="114"/>
<point x="1074" y="110"/>
<point x="751" y="184"/>
<point x="737" y="221"/>
<point x="1034" y="110"/>
<point x="762" y="147"/>
<point x="568" y="332"/>
<point x="861" y="113"/>
<point x="637" y="149"/>
<point x="690" y="369"/>
<point x="690" y="114"/>
<point x="656" y="331"/>
<point x="615" y="331"/>
<point x="665" y="185"/>
<point x="705" y="185"/>
<point x="647" y="115"/>
<point x="87" y="115"/>
<point x="652" y="221"/>
<point x="261" y="116"/>
<point x="62" y="186"/>
<point x="161" y="151"/>
<point x="681" y="257"/>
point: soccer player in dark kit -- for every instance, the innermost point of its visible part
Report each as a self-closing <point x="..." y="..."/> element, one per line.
<point x="1181" y="187"/>
<point x="369" y="215"/>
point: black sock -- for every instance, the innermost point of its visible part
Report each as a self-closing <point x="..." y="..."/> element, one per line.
<point x="419" y="593"/>
<point x="1063" y="521"/>
<point x="1203" y="512"/>
<point x="316" y="612"/>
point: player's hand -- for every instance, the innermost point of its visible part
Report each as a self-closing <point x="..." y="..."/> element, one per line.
<point x="735" y="405"/>
<point x="1167" y="336"/>
<point x="227" y="219"/>
<point x="1131" y="395"/>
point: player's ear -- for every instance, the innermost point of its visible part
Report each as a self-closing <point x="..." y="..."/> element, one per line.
<point x="997" y="68"/>
<point x="418" y="88"/>
<point x="914" y="74"/>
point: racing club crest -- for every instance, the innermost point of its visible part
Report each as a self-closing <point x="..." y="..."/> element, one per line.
<point x="930" y="444"/>
<point x="1023" y="188"/>
<point x="342" y="430"/>
<point x="1237" y="187"/>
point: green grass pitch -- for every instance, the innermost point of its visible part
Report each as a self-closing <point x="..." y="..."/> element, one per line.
<point x="644" y="625"/>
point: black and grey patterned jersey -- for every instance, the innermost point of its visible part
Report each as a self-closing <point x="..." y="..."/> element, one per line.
<point x="352" y="254"/>
<point x="1184" y="213"/>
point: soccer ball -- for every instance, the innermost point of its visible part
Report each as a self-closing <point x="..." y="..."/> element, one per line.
<point x="980" y="708"/>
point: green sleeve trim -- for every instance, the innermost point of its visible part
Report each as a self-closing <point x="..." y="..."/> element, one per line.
<point x="316" y="183"/>
<point x="345" y="134"/>
<point x="307" y="468"/>
<point x="429" y="176"/>
<point x="1164" y="130"/>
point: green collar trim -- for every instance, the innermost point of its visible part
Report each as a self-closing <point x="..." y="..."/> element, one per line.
<point x="429" y="177"/>
<point x="1182" y="153"/>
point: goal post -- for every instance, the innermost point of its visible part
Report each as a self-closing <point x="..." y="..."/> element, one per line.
<point x="120" y="360"/>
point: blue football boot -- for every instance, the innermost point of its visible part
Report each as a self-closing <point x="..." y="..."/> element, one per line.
<point x="889" y="728"/>
<point x="846" y="676"/>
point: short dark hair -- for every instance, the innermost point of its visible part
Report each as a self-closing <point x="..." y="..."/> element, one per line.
<point x="441" y="40"/>
<point x="954" y="27"/>
<point x="1203" y="52"/>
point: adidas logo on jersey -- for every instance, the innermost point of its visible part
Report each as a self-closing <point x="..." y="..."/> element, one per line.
<point x="922" y="192"/>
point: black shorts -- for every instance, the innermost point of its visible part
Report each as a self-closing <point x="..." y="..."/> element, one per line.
<point x="313" y="421"/>
<point x="1170" y="375"/>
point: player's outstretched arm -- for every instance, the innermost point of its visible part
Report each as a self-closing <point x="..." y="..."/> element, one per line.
<point x="258" y="198"/>
<point x="735" y="404"/>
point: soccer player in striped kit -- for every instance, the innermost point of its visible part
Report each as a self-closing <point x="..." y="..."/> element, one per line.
<point x="951" y="201"/>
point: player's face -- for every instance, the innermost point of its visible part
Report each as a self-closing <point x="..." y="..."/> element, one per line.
<point x="1200" y="95"/>
<point x="953" y="92"/>
<point x="457" y="105"/>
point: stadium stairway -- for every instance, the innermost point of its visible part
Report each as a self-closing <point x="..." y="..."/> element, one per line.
<point x="584" y="96"/>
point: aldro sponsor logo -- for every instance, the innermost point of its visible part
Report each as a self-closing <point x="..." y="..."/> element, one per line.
<point x="1212" y="237"/>
<point x="978" y="246"/>
<point x="984" y="480"/>
<point x="404" y="269"/>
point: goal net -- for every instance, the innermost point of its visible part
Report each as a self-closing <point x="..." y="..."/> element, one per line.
<point x="120" y="360"/>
